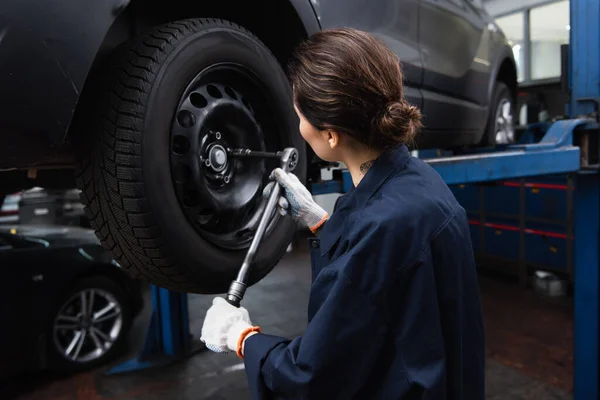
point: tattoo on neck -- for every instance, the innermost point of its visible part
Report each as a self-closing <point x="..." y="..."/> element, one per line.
<point x="364" y="167"/>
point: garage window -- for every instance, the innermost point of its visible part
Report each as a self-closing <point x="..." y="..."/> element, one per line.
<point x="549" y="30"/>
<point x="536" y="33"/>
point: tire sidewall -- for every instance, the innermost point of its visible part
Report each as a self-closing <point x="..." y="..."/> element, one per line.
<point x="198" y="51"/>
<point x="56" y="361"/>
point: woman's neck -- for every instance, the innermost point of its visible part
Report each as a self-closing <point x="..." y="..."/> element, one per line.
<point x="359" y="164"/>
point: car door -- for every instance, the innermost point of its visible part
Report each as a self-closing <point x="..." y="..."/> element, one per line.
<point x="396" y="22"/>
<point x="456" y="64"/>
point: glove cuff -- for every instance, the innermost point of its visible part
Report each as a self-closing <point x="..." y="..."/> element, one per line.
<point x="314" y="216"/>
<point x="235" y="332"/>
<point x="243" y="336"/>
<point x="319" y="224"/>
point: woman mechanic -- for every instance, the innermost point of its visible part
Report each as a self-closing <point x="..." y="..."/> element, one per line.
<point x="394" y="310"/>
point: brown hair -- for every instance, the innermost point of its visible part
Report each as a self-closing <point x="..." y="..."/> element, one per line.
<point x="349" y="81"/>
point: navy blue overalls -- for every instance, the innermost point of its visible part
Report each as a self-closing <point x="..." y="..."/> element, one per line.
<point x="394" y="310"/>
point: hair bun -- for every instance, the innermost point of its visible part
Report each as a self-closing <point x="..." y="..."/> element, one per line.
<point x="398" y="123"/>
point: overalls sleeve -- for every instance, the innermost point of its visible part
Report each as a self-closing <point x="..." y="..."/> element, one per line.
<point x="337" y="352"/>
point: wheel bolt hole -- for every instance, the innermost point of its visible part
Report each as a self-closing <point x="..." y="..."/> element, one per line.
<point x="214" y="91"/>
<point x="186" y="119"/>
<point x="181" y="144"/>
<point x="230" y="93"/>
<point x="246" y="103"/>
<point x="198" y="100"/>
<point x="204" y="216"/>
<point x="191" y="198"/>
<point x="182" y="173"/>
<point x="244" y="233"/>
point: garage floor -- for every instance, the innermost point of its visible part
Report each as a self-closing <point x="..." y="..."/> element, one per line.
<point x="528" y="338"/>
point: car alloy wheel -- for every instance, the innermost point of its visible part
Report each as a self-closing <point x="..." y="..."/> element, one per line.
<point x="87" y="325"/>
<point x="504" y="128"/>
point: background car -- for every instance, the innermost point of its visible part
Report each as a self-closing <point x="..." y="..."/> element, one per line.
<point x="135" y="98"/>
<point x="9" y="208"/>
<point x="66" y="305"/>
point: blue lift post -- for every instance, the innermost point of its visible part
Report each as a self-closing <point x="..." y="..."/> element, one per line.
<point x="569" y="146"/>
<point x="584" y="80"/>
<point x="167" y="338"/>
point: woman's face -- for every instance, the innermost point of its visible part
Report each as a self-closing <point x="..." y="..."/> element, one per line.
<point x="323" y="143"/>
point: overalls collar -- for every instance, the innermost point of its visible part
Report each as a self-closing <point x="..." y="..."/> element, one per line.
<point x="358" y="196"/>
<point x="379" y="172"/>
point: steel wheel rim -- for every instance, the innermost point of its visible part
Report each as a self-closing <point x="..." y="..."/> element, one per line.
<point x="87" y="325"/>
<point x="504" y="128"/>
<point x="223" y="107"/>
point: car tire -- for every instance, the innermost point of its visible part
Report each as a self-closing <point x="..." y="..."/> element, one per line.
<point x="155" y="204"/>
<point x="500" y="128"/>
<point x="69" y="319"/>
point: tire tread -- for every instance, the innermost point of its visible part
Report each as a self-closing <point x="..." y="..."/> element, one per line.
<point x="111" y="177"/>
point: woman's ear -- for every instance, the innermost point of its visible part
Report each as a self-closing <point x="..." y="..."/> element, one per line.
<point x="333" y="139"/>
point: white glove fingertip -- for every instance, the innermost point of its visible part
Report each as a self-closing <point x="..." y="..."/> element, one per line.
<point x="283" y="203"/>
<point x="276" y="172"/>
<point x="282" y="177"/>
<point x="267" y="190"/>
<point x="218" y="301"/>
<point x="283" y="206"/>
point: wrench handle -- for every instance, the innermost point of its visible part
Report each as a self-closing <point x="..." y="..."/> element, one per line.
<point x="237" y="289"/>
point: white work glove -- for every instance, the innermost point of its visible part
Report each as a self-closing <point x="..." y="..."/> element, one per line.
<point x="223" y="326"/>
<point x="296" y="199"/>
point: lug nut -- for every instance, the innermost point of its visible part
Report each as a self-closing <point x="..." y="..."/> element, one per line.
<point x="226" y="179"/>
<point x="218" y="135"/>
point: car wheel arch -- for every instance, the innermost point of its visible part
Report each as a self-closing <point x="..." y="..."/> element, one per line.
<point x="120" y="277"/>
<point x="110" y="272"/>
<point x="299" y="21"/>
<point x="504" y="70"/>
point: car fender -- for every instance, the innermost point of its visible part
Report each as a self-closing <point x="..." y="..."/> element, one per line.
<point x="504" y="54"/>
<point x="307" y="15"/>
<point x="47" y="49"/>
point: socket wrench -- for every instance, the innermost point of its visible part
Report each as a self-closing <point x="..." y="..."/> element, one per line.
<point x="237" y="289"/>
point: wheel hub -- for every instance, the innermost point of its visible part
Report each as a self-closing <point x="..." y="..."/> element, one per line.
<point x="217" y="158"/>
<point x="219" y="194"/>
<point x="215" y="161"/>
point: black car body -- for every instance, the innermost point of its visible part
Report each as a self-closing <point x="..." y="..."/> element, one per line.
<point x="40" y="267"/>
<point x="69" y="100"/>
